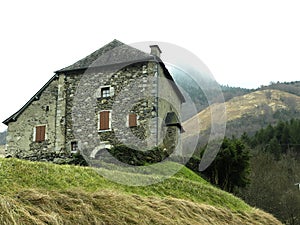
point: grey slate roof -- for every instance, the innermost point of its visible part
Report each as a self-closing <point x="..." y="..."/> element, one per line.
<point x="172" y="120"/>
<point x="34" y="98"/>
<point x="114" y="52"/>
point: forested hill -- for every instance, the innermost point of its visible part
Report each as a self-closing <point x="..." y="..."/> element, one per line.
<point x="281" y="138"/>
<point x="231" y="92"/>
<point x="275" y="170"/>
<point x="290" y="87"/>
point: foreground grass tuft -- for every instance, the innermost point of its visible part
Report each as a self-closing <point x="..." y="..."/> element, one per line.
<point x="44" y="193"/>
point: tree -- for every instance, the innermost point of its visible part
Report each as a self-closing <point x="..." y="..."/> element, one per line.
<point x="230" y="169"/>
<point x="272" y="186"/>
<point x="274" y="148"/>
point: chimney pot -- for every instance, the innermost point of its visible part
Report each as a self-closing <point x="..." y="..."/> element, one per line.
<point x="155" y="50"/>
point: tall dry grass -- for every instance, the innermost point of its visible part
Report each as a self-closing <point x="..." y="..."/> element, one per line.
<point x="107" y="207"/>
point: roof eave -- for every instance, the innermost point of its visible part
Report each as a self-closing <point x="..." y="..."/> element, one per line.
<point x="125" y="63"/>
<point x="169" y="76"/>
<point x="15" y="116"/>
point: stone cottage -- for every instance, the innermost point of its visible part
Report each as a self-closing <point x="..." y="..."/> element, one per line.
<point x="116" y="95"/>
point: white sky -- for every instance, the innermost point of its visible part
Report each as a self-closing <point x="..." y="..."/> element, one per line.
<point x="243" y="43"/>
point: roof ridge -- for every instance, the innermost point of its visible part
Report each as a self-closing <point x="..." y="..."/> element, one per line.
<point x="106" y="56"/>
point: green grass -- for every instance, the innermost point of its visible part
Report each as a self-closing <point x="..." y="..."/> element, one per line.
<point x="185" y="184"/>
<point x="45" y="193"/>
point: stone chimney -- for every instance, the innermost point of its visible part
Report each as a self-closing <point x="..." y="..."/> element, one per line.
<point x="155" y="50"/>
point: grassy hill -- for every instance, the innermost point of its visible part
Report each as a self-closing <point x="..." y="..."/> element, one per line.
<point x="200" y="95"/>
<point x="43" y="193"/>
<point x="209" y="89"/>
<point x="250" y="112"/>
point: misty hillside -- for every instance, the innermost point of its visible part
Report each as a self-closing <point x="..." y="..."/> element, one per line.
<point x="209" y="89"/>
<point x="250" y="112"/>
<point x="247" y="109"/>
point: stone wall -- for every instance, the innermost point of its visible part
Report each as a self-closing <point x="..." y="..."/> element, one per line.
<point x="42" y="111"/>
<point x="69" y="107"/>
<point x="168" y="102"/>
<point x="71" y="82"/>
<point x="134" y="92"/>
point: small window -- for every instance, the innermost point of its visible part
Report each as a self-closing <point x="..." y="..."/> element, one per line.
<point x="74" y="146"/>
<point x="40" y="133"/>
<point x="104" y="120"/>
<point x="105" y="92"/>
<point x="132" y="120"/>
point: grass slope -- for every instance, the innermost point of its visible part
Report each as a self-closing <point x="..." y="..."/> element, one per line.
<point x="43" y="193"/>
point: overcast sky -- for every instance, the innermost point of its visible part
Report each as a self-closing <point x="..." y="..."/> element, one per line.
<point x="243" y="43"/>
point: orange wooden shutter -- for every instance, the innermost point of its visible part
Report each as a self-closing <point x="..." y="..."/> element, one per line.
<point x="40" y="132"/>
<point x="104" y="120"/>
<point x="132" y="120"/>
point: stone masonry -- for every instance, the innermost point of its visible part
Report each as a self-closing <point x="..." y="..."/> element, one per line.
<point x="142" y="87"/>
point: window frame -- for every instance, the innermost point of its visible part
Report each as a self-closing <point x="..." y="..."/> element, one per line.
<point x="99" y="92"/>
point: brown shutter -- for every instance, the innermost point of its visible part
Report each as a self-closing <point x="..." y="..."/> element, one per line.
<point x="104" y="120"/>
<point x="132" y="120"/>
<point x="37" y="134"/>
<point x="40" y="132"/>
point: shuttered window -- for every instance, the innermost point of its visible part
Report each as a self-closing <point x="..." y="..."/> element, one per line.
<point x="104" y="120"/>
<point x="40" y="133"/>
<point x="132" y="120"/>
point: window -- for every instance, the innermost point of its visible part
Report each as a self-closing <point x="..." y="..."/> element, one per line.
<point x="74" y="146"/>
<point x="40" y="133"/>
<point x="105" y="120"/>
<point x="105" y="92"/>
<point x="132" y="120"/>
